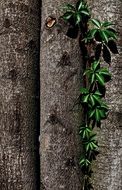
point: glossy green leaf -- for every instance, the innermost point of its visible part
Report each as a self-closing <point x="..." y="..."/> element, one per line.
<point x="97" y="98"/>
<point x="95" y="65"/>
<point x="87" y="147"/>
<point x="92" y="78"/>
<point x="67" y="15"/>
<point x="92" y="137"/>
<point x="104" y="36"/>
<point x="102" y="113"/>
<point x="94" y="145"/>
<point x="80" y="5"/>
<point x="98" y="93"/>
<point x="97" y="115"/>
<point x="78" y="18"/>
<point x="104" y="106"/>
<point x="85" y="12"/>
<point x="85" y="131"/>
<point x="91" y="113"/>
<point x="92" y="32"/>
<point x="100" y="79"/>
<point x="104" y="71"/>
<point x="87" y="72"/>
<point x="112" y="30"/>
<point x="92" y="100"/>
<point x="96" y="22"/>
<point x="111" y="34"/>
<point x="86" y="98"/>
<point x="84" y="162"/>
<point x="107" y="24"/>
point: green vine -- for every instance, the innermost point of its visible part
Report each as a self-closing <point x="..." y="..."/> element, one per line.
<point x="97" y="41"/>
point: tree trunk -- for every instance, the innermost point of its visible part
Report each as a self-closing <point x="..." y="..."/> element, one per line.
<point x="60" y="63"/>
<point x="108" y="167"/>
<point x="19" y="58"/>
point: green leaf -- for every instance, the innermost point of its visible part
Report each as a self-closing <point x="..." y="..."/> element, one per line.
<point x="88" y="163"/>
<point x="107" y="24"/>
<point x="84" y="162"/>
<point x="92" y="32"/>
<point x="97" y="98"/>
<point x="92" y="78"/>
<point x="104" y="106"/>
<point x="91" y="113"/>
<point x="86" y="98"/>
<point x="90" y="143"/>
<point x="79" y="5"/>
<point x="102" y="113"/>
<point x="95" y="65"/>
<point x="84" y="90"/>
<point x="87" y="147"/>
<point x="84" y="134"/>
<point x="104" y="71"/>
<point x="96" y="22"/>
<point x="104" y="36"/>
<point x="111" y="34"/>
<point x="67" y="15"/>
<point x="94" y="145"/>
<point x="100" y="79"/>
<point x="85" y="131"/>
<point x="87" y="72"/>
<point x="92" y="100"/>
<point x="78" y="18"/>
<point x="112" y="30"/>
<point x="85" y="12"/>
<point x="98" y="93"/>
<point x="89" y="129"/>
<point x="97" y="115"/>
<point x="92" y="137"/>
<point x="91" y="146"/>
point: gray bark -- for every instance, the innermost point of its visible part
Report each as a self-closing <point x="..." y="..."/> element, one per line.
<point x="60" y="63"/>
<point x="59" y="138"/>
<point x="19" y="42"/>
<point x="108" y="167"/>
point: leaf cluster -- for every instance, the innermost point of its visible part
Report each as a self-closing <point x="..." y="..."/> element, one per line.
<point x="76" y="16"/>
<point x="105" y="37"/>
<point x="101" y="36"/>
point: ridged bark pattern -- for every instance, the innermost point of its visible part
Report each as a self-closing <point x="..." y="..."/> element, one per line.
<point x="60" y="64"/>
<point x="108" y="166"/>
<point x="19" y="58"/>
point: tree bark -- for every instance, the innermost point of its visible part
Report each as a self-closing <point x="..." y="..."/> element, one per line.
<point x="19" y="58"/>
<point x="60" y="64"/>
<point x="108" y="167"/>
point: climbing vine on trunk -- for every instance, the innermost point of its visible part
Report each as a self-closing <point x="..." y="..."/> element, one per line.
<point x="97" y="41"/>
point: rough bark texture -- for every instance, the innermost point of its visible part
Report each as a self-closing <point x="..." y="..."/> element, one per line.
<point x="108" y="167"/>
<point x="60" y="63"/>
<point x="19" y="42"/>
